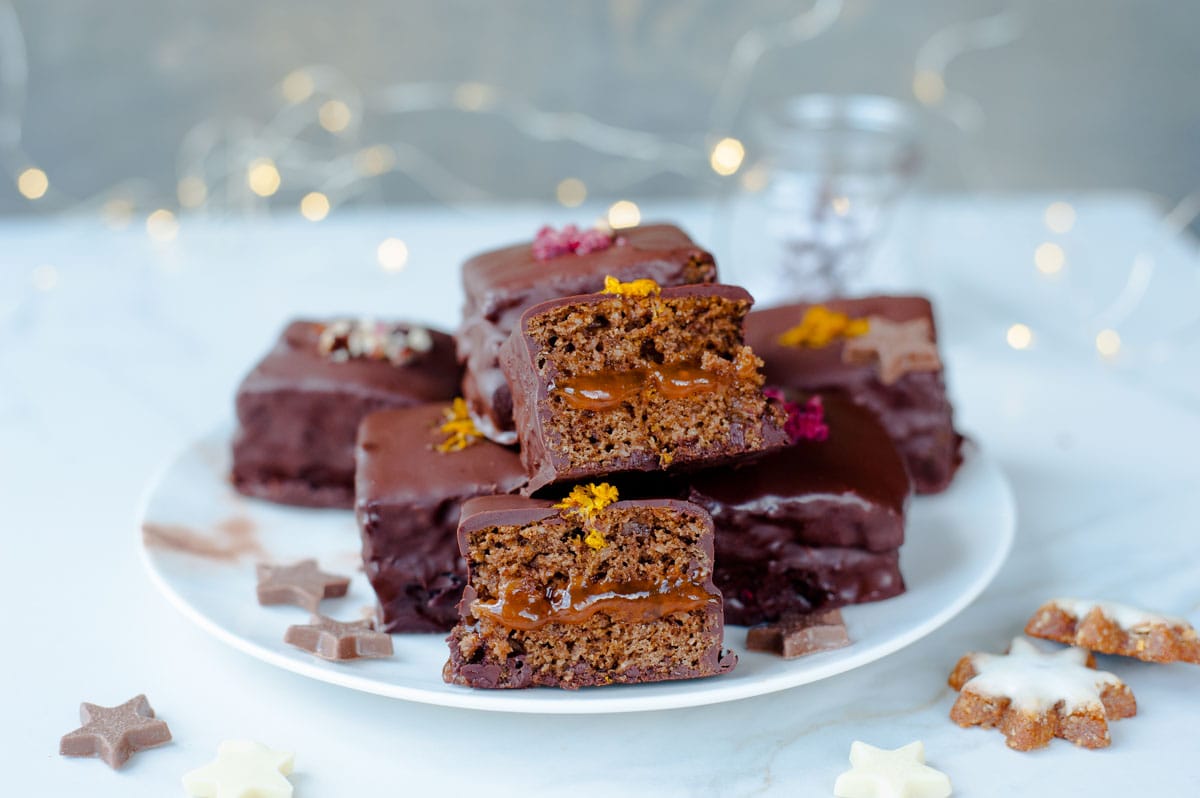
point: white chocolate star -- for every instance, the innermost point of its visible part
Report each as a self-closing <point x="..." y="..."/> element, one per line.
<point x="878" y="773"/>
<point x="242" y="769"/>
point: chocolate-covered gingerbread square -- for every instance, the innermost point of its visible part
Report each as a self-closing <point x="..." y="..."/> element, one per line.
<point x="298" y="411"/>
<point x="416" y="468"/>
<point x="637" y="378"/>
<point x="882" y="351"/>
<point x="811" y="527"/>
<point x="501" y="284"/>
<point x="587" y="592"/>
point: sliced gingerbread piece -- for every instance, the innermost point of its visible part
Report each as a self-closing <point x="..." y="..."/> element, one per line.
<point x="1111" y="628"/>
<point x="588" y="592"/>
<point x="637" y="378"/>
<point x="1033" y="696"/>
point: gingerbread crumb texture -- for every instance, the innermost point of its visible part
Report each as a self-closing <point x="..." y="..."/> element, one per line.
<point x="1033" y="696"/>
<point x="552" y="554"/>
<point x="1111" y="628"/>
<point x="620" y="336"/>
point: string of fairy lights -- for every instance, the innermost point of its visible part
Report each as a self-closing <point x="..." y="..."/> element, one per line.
<point x="314" y="141"/>
<point x="240" y="167"/>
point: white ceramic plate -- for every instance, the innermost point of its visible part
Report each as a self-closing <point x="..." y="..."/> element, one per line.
<point x="205" y="540"/>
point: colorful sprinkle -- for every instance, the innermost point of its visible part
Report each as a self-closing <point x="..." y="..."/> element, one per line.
<point x="344" y="339"/>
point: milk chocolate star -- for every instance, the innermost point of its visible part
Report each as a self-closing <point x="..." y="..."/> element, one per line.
<point x="899" y="348"/>
<point x="339" y="640"/>
<point x="115" y="733"/>
<point x="797" y="634"/>
<point x="302" y="584"/>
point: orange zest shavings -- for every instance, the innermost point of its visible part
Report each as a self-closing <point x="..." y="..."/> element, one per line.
<point x="821" y="326"/>
<point x="459" y="427"/>
<point x="595" y="539"/>
<point x="634" y="288"/>
<point x="586" y="502"/>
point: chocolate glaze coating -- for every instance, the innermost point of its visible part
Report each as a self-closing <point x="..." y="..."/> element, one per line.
<point x="914" y="410"/>
<point x="497" y="511"/>
<point x="409" y="497"/>
<point x="486" y="511"/>
<point x="531" y="407"/>
<point x="494" y="511"/>
<point x="850" y="490"/>
<point x="758" y="587"/>
<point x="810" y="527"/>
<point x="298" y="413"/>
<point x="501" y="284"/>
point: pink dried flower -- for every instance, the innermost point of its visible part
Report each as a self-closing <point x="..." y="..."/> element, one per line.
<point x="593" y="241"/>
<point x="550" y="243"/>
<point x="804" y="422"/>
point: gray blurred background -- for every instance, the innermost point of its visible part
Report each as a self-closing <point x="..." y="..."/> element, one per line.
<point x="129" y="100"/>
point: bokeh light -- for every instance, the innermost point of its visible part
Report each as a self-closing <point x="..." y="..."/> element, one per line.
<point x="727" y="156"/>
<point x="624" y="213"/>
<point x="571" y="192"/>
<point x="392" y="254"/>
<point x="1019" y="336"/>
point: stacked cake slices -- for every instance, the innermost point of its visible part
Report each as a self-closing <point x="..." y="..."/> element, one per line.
<point x="621" y="475"/>
<point x="585" y="593"/>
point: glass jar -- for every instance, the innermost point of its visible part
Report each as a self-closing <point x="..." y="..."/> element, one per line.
<point x="810" y="211"/>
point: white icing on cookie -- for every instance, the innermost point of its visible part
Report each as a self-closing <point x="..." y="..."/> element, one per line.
<point x="1125" y="616"/>
<point x="1036" y="681"/>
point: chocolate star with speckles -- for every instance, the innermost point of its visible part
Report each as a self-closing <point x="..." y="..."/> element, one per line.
<point x="115" y="733"/>
<point x="899" y="347"/>
<point x="302" y="584"/>
<point x="339" y="640"/>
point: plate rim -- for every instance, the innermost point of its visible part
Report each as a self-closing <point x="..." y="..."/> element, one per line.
<point x="514" y="701"/>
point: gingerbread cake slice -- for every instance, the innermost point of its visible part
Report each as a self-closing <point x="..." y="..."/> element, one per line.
<point x="501" y="284"/>
<point x="298" y="410"/>
<point x="416" y="468"/>
<point x="882" y="351"/>
<point x="587" y="592"/>
<point x="637" y="378"/>
<point x="813" y="526"/>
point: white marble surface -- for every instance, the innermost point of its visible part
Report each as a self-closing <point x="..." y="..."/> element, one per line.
<point x="138" y="346"/>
